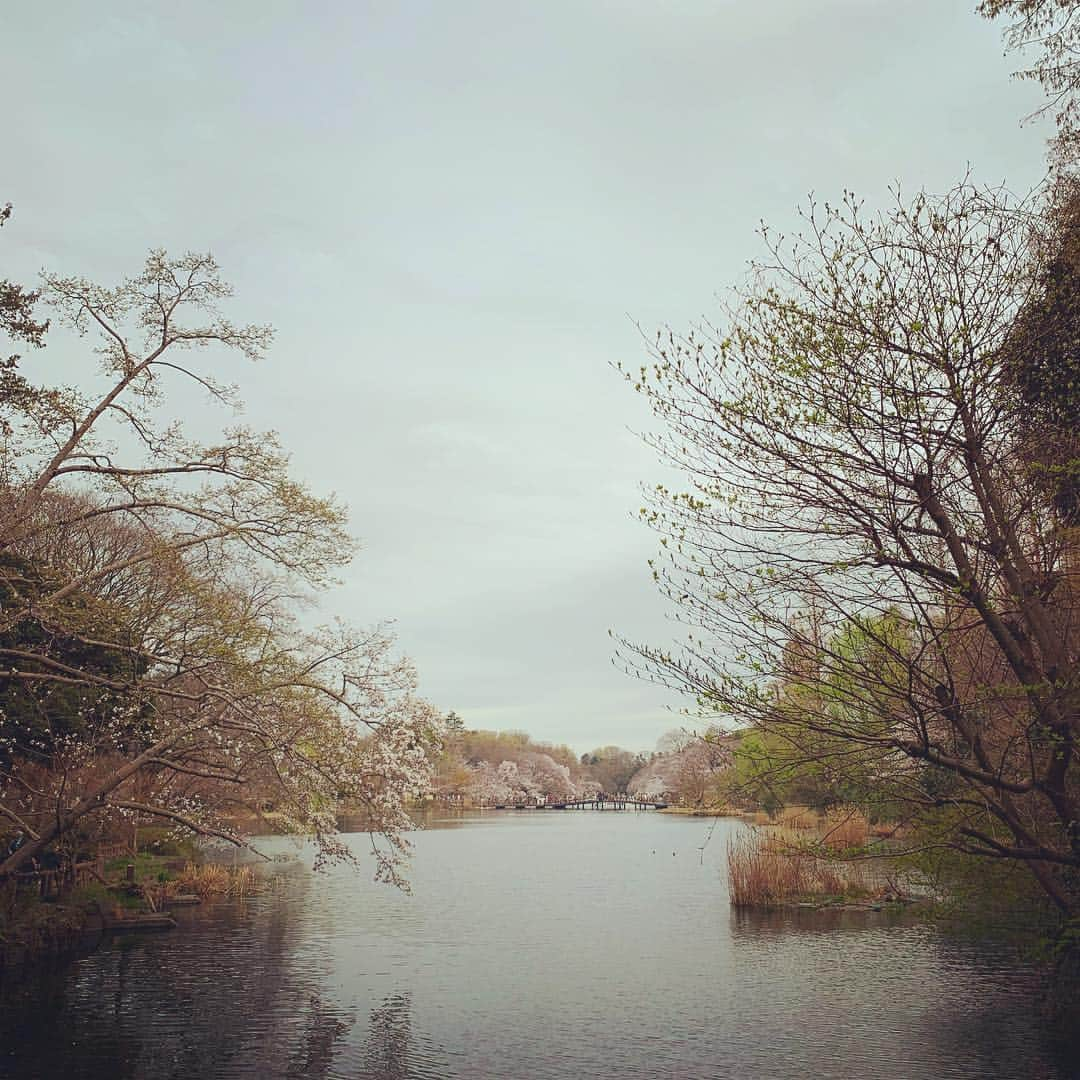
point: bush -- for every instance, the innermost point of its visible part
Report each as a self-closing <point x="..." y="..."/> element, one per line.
<point x="161" y="840"/>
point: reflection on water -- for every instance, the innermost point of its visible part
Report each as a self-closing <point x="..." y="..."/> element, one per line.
<point x="316" y="1045"/>
<point x="386" y="1053"/>
<point x="536" y="945"/>
<point x="750" y="925"/>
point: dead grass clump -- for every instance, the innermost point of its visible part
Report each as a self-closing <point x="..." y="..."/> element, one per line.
<point x="760" y="875"/>
<point x="797" y="817"/>
<point x="213" y="879"/>
<point x="765" y="872"/>
<point x="845" y="827"/>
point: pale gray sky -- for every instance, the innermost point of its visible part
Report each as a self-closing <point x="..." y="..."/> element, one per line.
<point x="452" y="212"/>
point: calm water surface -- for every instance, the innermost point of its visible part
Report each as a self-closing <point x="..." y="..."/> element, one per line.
<point x="536" y="945"/>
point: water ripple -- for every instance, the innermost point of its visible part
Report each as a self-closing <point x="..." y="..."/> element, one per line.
<point x="535" y="946"/>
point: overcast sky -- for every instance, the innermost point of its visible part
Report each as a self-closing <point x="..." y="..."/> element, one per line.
<point x="454" y="213"/>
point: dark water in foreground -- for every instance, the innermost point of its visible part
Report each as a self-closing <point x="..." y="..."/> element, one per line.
<point x="538" y="945"/>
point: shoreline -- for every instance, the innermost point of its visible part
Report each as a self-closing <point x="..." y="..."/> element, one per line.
<point x="54" y="932"/>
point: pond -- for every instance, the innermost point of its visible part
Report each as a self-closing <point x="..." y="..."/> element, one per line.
<point x="535" y="945"/>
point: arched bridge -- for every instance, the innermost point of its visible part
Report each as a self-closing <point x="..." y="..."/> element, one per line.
<point x="593" y="802"/>
<point x="611" y="802"/>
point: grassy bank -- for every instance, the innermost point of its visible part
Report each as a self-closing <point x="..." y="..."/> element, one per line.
<point x="704" y="811"/>
<point x="32" y="926"/>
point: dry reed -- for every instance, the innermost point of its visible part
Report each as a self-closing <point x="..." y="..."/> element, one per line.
<point x="764" y="872"/>
<point x="845" y="827"/>
<point x="797" y="817"/>
<point x="213" y="879"/>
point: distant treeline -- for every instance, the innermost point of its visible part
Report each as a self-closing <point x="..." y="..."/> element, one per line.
<point x="490" y="768"/>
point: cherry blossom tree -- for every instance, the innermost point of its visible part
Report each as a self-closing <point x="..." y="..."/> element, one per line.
<point x="486" y="785"/>
<point x="180" y="566"/>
